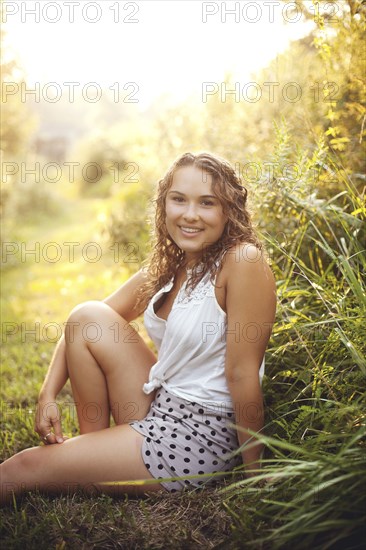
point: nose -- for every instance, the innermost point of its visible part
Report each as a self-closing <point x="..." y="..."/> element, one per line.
<point x="190" y="212"/>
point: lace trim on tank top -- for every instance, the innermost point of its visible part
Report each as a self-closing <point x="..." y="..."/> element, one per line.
<point x="202" y="289"/>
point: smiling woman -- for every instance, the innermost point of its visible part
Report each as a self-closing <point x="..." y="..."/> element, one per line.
<point x="196" y="405"/>
<point x="202" y="192"/>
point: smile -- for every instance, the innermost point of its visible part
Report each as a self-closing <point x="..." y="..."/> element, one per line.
<point x="189" y="230"/>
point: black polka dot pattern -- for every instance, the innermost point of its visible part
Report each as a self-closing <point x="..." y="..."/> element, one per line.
<point x="184" y="439"/>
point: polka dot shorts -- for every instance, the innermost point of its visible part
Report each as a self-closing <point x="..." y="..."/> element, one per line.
<point x="184" y="439"/>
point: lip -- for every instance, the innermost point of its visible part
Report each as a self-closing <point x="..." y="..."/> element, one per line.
<point x="189" y="234"/>
<point x="189" y="227"/>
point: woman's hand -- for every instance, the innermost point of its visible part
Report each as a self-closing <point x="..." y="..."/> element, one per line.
<point x="48" y="418"/>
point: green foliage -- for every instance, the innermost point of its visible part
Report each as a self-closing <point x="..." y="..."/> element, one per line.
<point x="315" y="383"/>
<point x="98" y="164"/>
<point x="128" y="225"/>
<point x="339" y="39"/>
<point x="315" y="499"/>
<point x="31" y="199"/>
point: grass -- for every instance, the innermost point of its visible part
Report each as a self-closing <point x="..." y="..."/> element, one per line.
<point x="193" y="520"/>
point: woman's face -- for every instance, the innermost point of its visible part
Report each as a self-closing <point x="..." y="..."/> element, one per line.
<point x="194" y="216"/>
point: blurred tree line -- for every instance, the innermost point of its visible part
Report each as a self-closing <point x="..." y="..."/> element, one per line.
<point x="17" y="123"/>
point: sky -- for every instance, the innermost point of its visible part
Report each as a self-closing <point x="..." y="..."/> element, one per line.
<point x="147" y="47"/>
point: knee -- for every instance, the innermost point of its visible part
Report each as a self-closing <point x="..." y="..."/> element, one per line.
<point x="85" y="311"/>
<point x="24" y="461"/>
<point x="28" y="459"/>
<point x="24" y="471"/>
<point x="92" y="311"/>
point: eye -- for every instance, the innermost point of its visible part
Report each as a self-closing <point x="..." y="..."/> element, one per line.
<point x="205" y="202"/>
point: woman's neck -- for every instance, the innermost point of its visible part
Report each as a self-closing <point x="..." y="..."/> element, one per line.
<point x="191" y="262"/>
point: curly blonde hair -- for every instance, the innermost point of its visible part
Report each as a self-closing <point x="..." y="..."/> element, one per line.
<point x="166" y="257"/>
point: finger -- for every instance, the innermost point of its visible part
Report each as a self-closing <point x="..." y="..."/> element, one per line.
<point x="58" y="431"/>
<point x="38" y="429"/>
<point x="42" y="434"/>
<point x="48" y="438"/>
<point x="51" y="440"/>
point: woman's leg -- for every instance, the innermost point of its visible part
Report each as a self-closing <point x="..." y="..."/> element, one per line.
<point x="108" y="363"/>
<point x="112" y="454"/>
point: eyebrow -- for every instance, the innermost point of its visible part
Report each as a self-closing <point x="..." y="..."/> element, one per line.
<point x="201" y="197"/>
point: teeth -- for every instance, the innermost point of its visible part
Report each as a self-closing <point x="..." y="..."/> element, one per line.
<point x="190" y="230"/>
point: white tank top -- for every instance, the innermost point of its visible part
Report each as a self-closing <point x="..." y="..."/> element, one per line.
<point x="191" y="345"/>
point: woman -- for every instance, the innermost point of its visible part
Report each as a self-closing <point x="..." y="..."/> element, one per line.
<point x="209" y="298"/>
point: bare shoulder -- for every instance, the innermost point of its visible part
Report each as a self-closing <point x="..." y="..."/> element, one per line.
<point x="243" y="263"/>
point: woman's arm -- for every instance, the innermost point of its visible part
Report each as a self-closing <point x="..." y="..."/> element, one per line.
<point x="123" y="300"/>
<point x="47" y="417"/>
<point x="57" y="374"/>
<point x="251" y="309"/>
